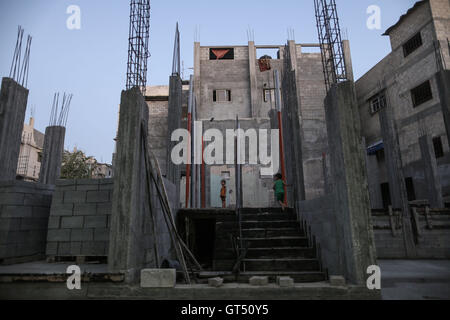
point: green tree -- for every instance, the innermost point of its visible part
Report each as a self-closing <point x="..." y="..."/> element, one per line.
<point x="76" y="165"/>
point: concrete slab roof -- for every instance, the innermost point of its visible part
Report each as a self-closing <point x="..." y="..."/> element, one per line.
<point x="411" y="10"/>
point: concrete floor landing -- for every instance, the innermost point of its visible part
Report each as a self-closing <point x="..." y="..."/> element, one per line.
<point x="401" y="279"/>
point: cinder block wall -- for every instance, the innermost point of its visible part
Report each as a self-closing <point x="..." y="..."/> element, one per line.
<point x="24" y="214"/>
<point x="79" y="220"/>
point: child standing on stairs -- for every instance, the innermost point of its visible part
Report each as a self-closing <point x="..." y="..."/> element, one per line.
<point x="223" y="193"/>
<point x="278" y="186"/>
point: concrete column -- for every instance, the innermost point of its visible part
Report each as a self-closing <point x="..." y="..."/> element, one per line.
<point x="174" y="123"/>
<point x="443" y="84"/>
<point x="253" y="82"/>
<point x="396" y="178"/>
<point x="348" y="60"/>
<point x="293" y="137"/>
<point x="326" y="173"/>
<point x="13" y="104"/>
<point x="431" y="173"/>
<point x="131" y="245"/>
<point x="348" y="172"/>
<point x="52" y="155"/>
<point x="376" y="199"/>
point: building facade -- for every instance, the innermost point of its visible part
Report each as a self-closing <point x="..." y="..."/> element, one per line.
<point x="30" y="156"/>
<point x="407" y="84"/>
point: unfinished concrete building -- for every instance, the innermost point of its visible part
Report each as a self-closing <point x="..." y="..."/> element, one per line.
<point x="412" y="81"/>
<point x="30" y="155"/>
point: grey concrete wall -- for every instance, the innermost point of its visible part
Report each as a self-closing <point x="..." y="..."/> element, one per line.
<point x="431" y="173"/>
<point x="24" y="215"/>
<point x="135" y="242"/>
<point x="398" y="75"/>
<point x="174" y="123"/>
<point x="257" y="189"/>
<point x="349" y="183"/>
<point x="320" y="215"/>
<point x="52" y="154"/>
<point x="13" y="104"/>
<point x="443" y="85"/>
<point x="158" y="132"/>
<point x="79" y="222"/>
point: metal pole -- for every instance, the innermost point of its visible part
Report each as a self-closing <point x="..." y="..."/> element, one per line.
<point x="280" y="127"/>
<point x="189" y="127"/>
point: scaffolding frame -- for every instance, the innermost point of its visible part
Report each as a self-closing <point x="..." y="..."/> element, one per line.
<point x="138" y="41"/>
<point x="330" y="39"/>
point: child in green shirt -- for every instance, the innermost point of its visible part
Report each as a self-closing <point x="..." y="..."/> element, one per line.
<point x="278" y="186"/>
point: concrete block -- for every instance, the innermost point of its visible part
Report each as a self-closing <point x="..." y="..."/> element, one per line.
<point x="9" y="224"/>
<point x="51" y="249"/>
<point x="82" y="235"/>
<point x="58" y="235"/>
<point x="64" y="249"/>
<point x="16" y="212"/>
<point x="98" y="196"/>
<point x="8" y="250"/>
<point x="58" y="197"/>
<point x="82" y="209"/>
<point x="158" y="278"/>
<point x="215" y="282"/>
<point x="285" y="282"/>
<point x="106" y="187"/>
<point x="72" y="222"/>
<point x="61" y="209"/>
<point x="75" y="248"/>
<point x="101" y="234"/>
<point x="258" y="281"/>
<point x="104" y="208"/>
<point x="337" y="281"/>
<point x="75" y="196"/>
<point x="33" y="224"/>
<point x="41" y="212"/>
<point x="93" y="248"/>
<point x="35" y="200"/>
<point x="12" y="199"/>
<point x="85" y="182"/>
<point x="95" y="222"/>
<point x="54" y="222"/>
<point x="69" y="248"/>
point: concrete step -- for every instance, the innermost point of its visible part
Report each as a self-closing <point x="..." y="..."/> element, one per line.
<point x="282" y="264"/>
<point x="283" y="252"/>
<point x="267" y="216"/>
<point x="267" y="253"/>
<point x="250" y="224"/>
<point x="298" y="276"/>
<point x="271" y="242"/>
<point x="271" y="232"/>
<point x="261" y="210"/>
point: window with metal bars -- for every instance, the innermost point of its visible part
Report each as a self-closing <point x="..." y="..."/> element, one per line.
<point x="222" y="95"/>
<point x="377" y="103"/>
<point x="421" y="94"/>
<point x="438" y="147"/>
<point x="412" y="44"/>
<point x="269" y="95"/>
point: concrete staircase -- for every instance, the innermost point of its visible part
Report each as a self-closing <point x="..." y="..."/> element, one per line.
<point x="277" y="246"/>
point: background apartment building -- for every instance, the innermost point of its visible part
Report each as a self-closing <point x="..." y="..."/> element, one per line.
<point x="30" y="156"/>
<point x="408" y="82"/>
